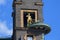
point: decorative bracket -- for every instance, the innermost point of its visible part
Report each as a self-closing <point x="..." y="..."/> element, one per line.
<point x="39" y="3"/>
<point x="18" y="2"/>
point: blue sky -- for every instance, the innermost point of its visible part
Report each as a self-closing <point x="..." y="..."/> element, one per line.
<point x="5" y="18"/>
<point x="51" y="14"/>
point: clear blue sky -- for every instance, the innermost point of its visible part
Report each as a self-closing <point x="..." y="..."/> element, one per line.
<point x="51" y="14"/>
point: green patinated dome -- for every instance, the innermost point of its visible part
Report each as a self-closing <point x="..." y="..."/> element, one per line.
<point x="45" y="28"/>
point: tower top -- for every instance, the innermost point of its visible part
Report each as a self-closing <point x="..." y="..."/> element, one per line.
<point x="25" y="20"/>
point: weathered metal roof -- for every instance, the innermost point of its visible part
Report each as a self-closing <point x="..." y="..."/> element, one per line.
<point x="45" y="28"/>
<point x="38" y="24"/>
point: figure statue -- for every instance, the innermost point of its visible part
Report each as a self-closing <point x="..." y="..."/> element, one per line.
<point x="29" y="19"/>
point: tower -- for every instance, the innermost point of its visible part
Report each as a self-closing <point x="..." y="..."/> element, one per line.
<point x="28" y="20"/>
